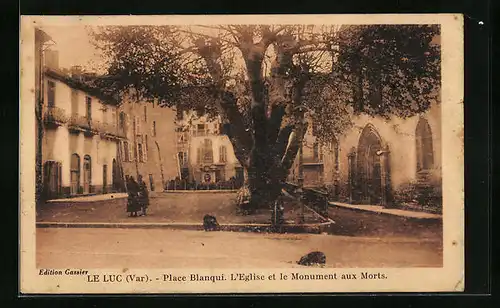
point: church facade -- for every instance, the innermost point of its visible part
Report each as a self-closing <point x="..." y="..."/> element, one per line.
<point x="378" y="162"/>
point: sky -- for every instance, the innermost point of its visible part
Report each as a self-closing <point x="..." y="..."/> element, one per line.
<point x="74" y="45"/>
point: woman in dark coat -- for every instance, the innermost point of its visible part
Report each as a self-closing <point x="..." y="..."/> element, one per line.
<point x="143" y="195"/>
<point x="133" y="205"/>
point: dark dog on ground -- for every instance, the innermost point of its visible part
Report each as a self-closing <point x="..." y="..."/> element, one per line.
<point x="210" y="223"/>
<point x="313" y="258"/>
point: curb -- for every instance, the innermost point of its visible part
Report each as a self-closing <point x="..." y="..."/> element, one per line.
<point x="215" y="191"/>
<point x="434" y="217"/>
<point x="259" y="228"/>
<point x="71" y="200"/>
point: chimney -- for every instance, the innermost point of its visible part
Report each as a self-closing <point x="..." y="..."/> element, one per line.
<point x="76" y="71"/>
<point x="52" y="59"/>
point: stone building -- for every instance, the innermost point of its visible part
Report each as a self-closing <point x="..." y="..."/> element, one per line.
<point x="149" y="147"/>
<point x="320" y="162"/>
<point x="378" y="161"/>
<point x="80" y="137"/>
<point x="392" y="161"/>
<point x="389" y="162"/>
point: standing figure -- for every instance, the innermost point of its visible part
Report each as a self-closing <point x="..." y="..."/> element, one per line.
<point x="143" y="195"/>
<point x="133" y="205"/>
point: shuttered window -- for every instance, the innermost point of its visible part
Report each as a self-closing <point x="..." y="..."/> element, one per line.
<point x="145" y="150"/>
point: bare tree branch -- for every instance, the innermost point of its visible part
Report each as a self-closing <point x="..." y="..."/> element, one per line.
<point x="195" y="34"/>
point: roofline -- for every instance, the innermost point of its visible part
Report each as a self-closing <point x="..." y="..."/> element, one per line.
<point x="42" y="35"/>
<point x="73" y="83"/>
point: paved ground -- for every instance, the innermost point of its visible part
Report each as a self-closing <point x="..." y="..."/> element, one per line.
<point x="164" y="208"/>
<point x="151" y="248"/>
<point x="354" y="222"/>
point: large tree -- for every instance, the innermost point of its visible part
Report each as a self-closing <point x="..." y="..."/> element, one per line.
<point x="265" y="81"/>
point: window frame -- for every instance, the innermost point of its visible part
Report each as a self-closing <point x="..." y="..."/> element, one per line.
<point x="88" y="107"/>
<point x="51" y="93"/>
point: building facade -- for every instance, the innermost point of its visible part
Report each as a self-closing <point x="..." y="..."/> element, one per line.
<point x="80" y="138"/>
<point x="319" y="162"/>
<point x="149" y="148"/>
<point x="205" y="155"/>
<point x="378" y="162"/>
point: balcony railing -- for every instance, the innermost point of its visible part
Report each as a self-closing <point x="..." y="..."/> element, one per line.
<point x="110" y="129"/>
<point x="80" y="122"/>
<point x="96" y="127"/>
<point x="200" y="133"/>
<point x="312" y="160"/>
<point x="55" y="115"/>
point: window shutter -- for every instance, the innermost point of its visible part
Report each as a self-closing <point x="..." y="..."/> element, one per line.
<point x="123" y="153"/>
<point x="145" y="149"/>
<point x="130" y="152"/>
<point x="137" y="125"/>
<point x="137" y="151"/>
<point x="126" y="121"/>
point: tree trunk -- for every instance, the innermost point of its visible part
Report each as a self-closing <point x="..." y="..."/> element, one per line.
<point x="264" y="187"/>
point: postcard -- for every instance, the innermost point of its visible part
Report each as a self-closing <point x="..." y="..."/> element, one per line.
<point x="241" y="154"/>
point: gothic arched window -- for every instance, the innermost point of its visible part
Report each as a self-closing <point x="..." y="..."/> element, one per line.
<point x="424" y="146"/>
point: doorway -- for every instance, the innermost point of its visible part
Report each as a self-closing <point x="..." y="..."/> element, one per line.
<point x="75" y="174"/>
<point x="369" y="172"/>
<point x="52" y="179"/>
<point x="104" y="179"/>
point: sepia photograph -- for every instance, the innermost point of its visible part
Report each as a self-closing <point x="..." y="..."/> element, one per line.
<point x="212" y="154"/>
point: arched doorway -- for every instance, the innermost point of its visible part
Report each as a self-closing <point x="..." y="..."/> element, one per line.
<point x="87" y="174"/>
<point x="369" y="171"/>
<point x="75" y="174"/>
